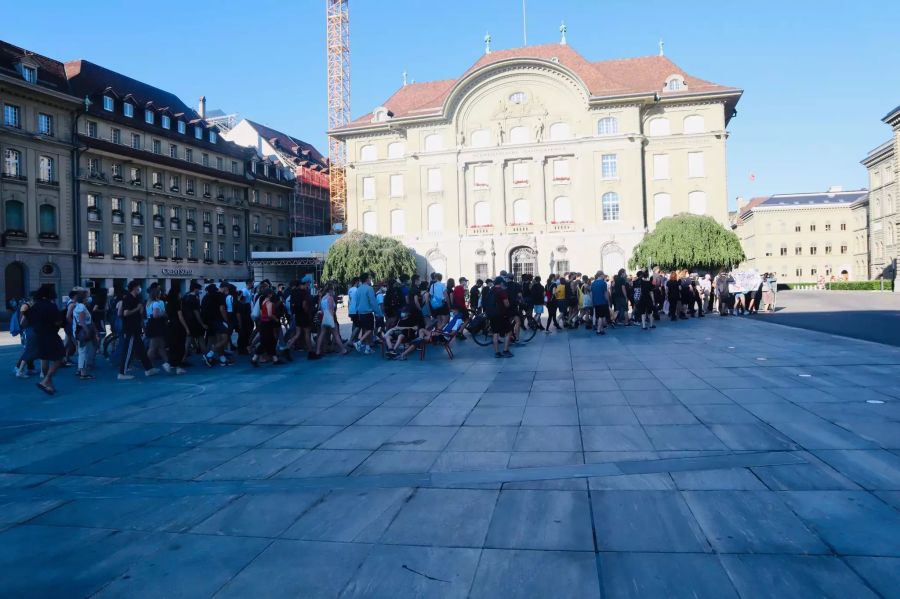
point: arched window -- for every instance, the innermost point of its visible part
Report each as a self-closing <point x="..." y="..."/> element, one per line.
<point x="891" y="235"/>
<point x="15" y="215"/>
<point x="46" y="169"/>
<point x="562" y="209"/>
<point x="47" y="217"/>
<point x="560" y="131"/>
<point x="662" y="206"/>
<point x="697" y="202"/>
<point x="370" y="224"/>
<point x="367" y="153"/>
<point x="398" y="222"/>
<point x="675" y="83"/>
<point x="396" y="149"/>
<point x="782" y="227"/>
<point x="435" y="218"/>
<point x="12" y="163"/>
<point x="876" y="208"/>
<point x="694" y="124"/>
<point x="434" y="143"/>
<point x="481" y="138"/>
<point x="658" y="126"/>
<point x="610" y="206"/>
<point x="482" y="214"/>
<point x="608" y="126"/>
<point x="521" y="212"/>
<point x="519" y="135"/>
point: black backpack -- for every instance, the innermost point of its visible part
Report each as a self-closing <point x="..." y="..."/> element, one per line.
<point x="489" y="302"/>
<point x="393" y="299"/>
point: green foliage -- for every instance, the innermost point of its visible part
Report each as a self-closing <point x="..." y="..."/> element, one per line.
<point x="688" y="241"/>
<point x="358" y="252"/>
<point x="861" y="285"/>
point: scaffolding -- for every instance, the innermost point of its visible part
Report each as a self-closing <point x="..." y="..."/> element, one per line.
<point x="310" y="208"/>
<point x="337" y="19"/>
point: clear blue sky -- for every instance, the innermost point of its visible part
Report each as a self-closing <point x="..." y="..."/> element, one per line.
<point x="818" y="75"/>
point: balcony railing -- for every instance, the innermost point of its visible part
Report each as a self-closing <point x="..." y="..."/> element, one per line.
<point x="562" y="226"/>
<point x="160" y="258"/>
<point x="482" y="230"/>
<point x="220" y="229"/>
<point x="207" y="228"/>
<point x="95" y="254"/>
<point x="118" y="218"/>
<point x="16" y="234"/>
<point x="221" y="197"/>
<point x="158" y="222"/>
<point x="15" y="177"/>
<point x="93" y="214"/>
<point x="50" y="182"/>
<point x="174" y="224"/>
<point x="190" y="226"/>
<point x="137" y="219"/>
<point x="48" y="237"/>
<point x="137" y="182"/>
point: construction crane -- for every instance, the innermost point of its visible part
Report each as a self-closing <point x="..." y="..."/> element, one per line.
<point x="337" y="18"/>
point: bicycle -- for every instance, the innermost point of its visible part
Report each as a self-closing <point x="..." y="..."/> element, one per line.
<point x="108" y="345"/>
<point x="485" y="336"/>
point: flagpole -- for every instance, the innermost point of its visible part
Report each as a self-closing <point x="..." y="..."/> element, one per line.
<point x="524" y="26"/>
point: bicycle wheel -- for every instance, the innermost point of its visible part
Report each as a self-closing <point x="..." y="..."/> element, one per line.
<point x="484" y="337"/>
<point x="527" y="334"/>
<point x="106" y="346"/>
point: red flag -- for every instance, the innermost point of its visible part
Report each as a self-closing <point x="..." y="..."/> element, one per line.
<point x="752" y="177"/>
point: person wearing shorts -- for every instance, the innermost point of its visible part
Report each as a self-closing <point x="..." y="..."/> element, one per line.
<point x="600" y="298"/>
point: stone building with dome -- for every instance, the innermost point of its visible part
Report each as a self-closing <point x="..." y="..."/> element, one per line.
<point x="537" y="160"/>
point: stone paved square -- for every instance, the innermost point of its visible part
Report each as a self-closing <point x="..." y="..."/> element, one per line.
<point x="584" y="466"/>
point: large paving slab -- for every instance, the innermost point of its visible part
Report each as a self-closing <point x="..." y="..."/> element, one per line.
<point x="672" y="464"/>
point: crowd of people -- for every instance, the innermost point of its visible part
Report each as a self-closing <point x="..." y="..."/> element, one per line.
<point x="157" y="330"/>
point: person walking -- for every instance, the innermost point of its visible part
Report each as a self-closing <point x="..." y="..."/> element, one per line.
<point x="269" y="325"/>
<point x="84" y="333"/>
<point x="600" y="298"/>
<point x="176" y="331"/>
<point x="132" y="311"/>
<point x="365" y="314"/>
<point x="157" y="324"/>
<point x="642" y="297"/>
<point x="46" y="319"/>
<point x="537" y="298"/>
<point x="328" y="328"/>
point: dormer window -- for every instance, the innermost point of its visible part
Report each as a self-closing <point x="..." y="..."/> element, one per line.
<point x="675" y="83"/>
<point x="148" y="116"/>
<point x="198" y="132"/>
<point x="166" y="122"/>
<point x="381" y="114"/>
<point x="212" y="136"/>
<point x="29" y="74"/>
<point x="181" y="127"/>
<point x="107" y="103"/>
<point x="128" y="109"/>
<point x="517" y="98"/>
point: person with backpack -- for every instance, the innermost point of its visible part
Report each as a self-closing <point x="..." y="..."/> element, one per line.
<point x="536" y="298"/>
<point x="84" y="333"/>
<point x="475" y="297"/>
<point x="642" y="300"/>
<point x="439" y="300"/>
<point x="365" y="314"/>
<point x="495" y="302"/>
<point x="394" y="302"/>
<point x="157" y="327"/>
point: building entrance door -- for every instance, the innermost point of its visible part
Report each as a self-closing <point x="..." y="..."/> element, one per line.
<point x="14" y="281"/>
<point x="522" y="261"/>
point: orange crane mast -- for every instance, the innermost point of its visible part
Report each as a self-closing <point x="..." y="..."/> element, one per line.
<point x="337" y="18"/>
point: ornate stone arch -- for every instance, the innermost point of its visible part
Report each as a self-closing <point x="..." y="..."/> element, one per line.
<point x="523" y="261"/>
<point x="435" y="261"/>
<point x="612" y="257"/>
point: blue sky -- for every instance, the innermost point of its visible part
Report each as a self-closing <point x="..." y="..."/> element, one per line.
<point x="818" y="75"/>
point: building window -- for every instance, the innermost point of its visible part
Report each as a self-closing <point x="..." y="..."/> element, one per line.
<point x="47" y="219"/>
<point x="367" y="153"/>
<point x="268" y="226"/>
<point x="398" y="222"/>
<point x="694" y="124"/>
<point x="481" y="138"/>
<point x="520" y="173"/>
<point x="608" y="126"/>
<point x="610" y="206"/>
<point x="519" y="135"/>
<point x="12" y="163"/>
<point x="843" y="248"/>
<point x="128" y="109"/>
<point x="135" y="176"/>
<point x="660" y="166"/>
<point x="234" y="167"/>
<point x="219" y="163"/>
<point x="658" y="126"/>
<point x="560" y="131"/>
<point x="166" y="124"/>
<point x="135" y="141"/>
<point x="561" y="170"/>
<point x="14" y="211"/>
<point x="662" y="206"/>
<point x="181" y="127"/>
<point x="91" y="127"/>
<point x="482" y="214"/>
<point x="157" y="180"/>
<point x="173" y="151"/>
<point x="157" y="146"/>
<point x="198" y="132"/>
<point x="521" y="212"/>
<point x="137" y="245"/>
<point x="236" y="252"/>
<point x="696" y="166"/>
<point x="175" y="248"/>
<point x="517" y="97"/>
<point x="827" y="248"/>
<point x="480" y="175"/>
<point x="204" y="159"/>
<point x="212" y="136"/>
<point x="797" y="228"/>
<point x="798" y="250"/>
<point x="47" y="169"/>
<point x="434" y="143"/>
<point x="208" y="194"/>
<point x="562" y="210"/>
<point x="396" y="149"/>
<point x="115" y="135"/>
<point x="93" y="242"/>
<point x="115" y="204"/>
<point x="697" y="202"/>
<point x="843" y="226"/>
<point x="148" y="116"/>
<point x="396" y="186"/>
<point x="798" y="272"/>
<point x="207" y="251"/>
<point x="813" y="250"/>
<point x="812" y="272"/>
<point x="435" y="181"/>
<point x="12" y="116"/>
<point x="435" y="218"/>
<point x="116" y="169"/>
<point x="812" y="228"/>
<point x="609" y="166"/>
<point x="368" y="188"/>
<point x="784" y="249"/>
<point x="190" y="249"/>
<point x="158" y="246"/>
<point x="118" y="244"/>
<point x="174" y="183"/>
<point x="675" y="83"/>
<point x="94" y="166"/>
<point x="189" y="154"/>
<point x="369" y="222"/>
<point x="562" y="266"/>
<point x="255" y="196"/>
<point x="768" y="249"/>
<point x="29" y="74"/>
<point x="45" y="124"/>
<point x="481" y="270"/>
<point x="255" y="223"/>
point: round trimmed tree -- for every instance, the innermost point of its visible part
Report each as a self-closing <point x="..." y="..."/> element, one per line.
<point x="688" y="241"/>
<point x="358" y="252"/>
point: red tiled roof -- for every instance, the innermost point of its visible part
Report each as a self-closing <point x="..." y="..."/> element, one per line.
<point x="753" y="203"/>
<point x="645" y="74"/>
<point x="297" y="148"/>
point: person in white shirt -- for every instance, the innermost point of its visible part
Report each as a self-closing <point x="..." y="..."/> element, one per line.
<point x="83" y="333"/>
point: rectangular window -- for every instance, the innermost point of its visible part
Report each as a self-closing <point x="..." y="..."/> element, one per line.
<point x="175" y="248"/>
<point x="12" y="116"/>
<point x="435" y="182"/>
<point x="212" y="136"/>
<point x="148" y="116"/>
<point x="207" y="251"/>
<point x="480" y="175"/>
<point x="128" y="110"/>
<point x="798" y="251"/>
<point x="118" y="244"/>
<point x="236" y="252"/>
<point x="157" y="146"/>
<point x="220" y="218"/>
<point x="481" y="270"/>
<point x="660" y="166"/>
<point x="191" y="249"/>
<point x="45" y="124"/>
<point x="696" y="166"/>
<point x="812" y="250"/>
<point x="368" y="188"/>
<point x="205" y="159"/>
<point x="135" y="175"/>
<point x="827" y="226"/>
<point x="198" y="132"/>
<point x="189" y="186"/>
<point x="828" y="249"/>
<point x="268" y="226"/>
<point x="91" y="128"/>
<point x="29" y="74"/>
<point x="108" y="104"/>
<point x="181" y="127"/>
<point x="234" y="167"/>
<point x="166" y="122"/>
<point x="798" y="272"/>
<point x="843" y="249"/>
<point x="93" y="201"/>
<point x="255" y="223"/>
<point x="784" y="251"/>
<point x="219" y="163"/>
<point x="220" y="251"/>
<point x="115" y="204"/>
<point x="94" y="166"/>
<point x="268" y="198"/>
<point x="609" y="166"/>
<point x="255" y="196"/>
<point x="115" y="135"/>
<point x="157" y="246"/>
<point x="189" y="154"/>
<point x="520" y="173"/>
<point x="206" y="192"/>
<point x="137" y="245"/>
<point x="396" y="186"/>
<point x="116" y="171"/>
<point x="173" y="151"/>
<point x="47" y="169"/>
<point x="135" y="141"/>
<point x="560" y="170"/>
<point x="843" y="226"/>
<point x="93" y="242"/>
<point x="562" y="266"/>
<point x="137" y="207"/>
<point x="812" y="228"/>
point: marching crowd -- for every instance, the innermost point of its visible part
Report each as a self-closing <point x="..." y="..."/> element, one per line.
<point x="217" y="322"/>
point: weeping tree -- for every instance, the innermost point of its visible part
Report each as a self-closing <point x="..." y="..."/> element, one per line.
<point x="688" y="241"/>
<point x="358" y="252"/>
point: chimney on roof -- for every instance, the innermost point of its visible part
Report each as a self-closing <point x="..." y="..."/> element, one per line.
<point x="201" y="108"/>
<point x="835" y="189"/>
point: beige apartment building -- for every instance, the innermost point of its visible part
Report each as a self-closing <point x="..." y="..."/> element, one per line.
<point x="804" y="236"/>
<point x="37" y="229"/>
<point x="884" y="201"/>
<point x="537" y="160"/>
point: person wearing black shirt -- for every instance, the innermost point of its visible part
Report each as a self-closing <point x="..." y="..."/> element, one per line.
<point x="176" y="331"/>
<point x="44" y="319"/>
<point x="215" y="317"/>
<point x="132" y="313"/>
<point x="475" y="296"/>
<point x="536" y="299"/>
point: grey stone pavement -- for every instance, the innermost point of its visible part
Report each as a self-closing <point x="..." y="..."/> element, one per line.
<point x="722" y="457"/>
